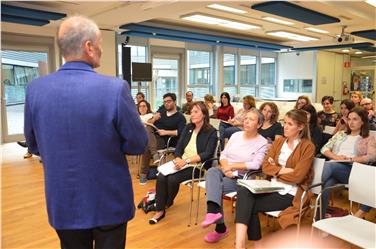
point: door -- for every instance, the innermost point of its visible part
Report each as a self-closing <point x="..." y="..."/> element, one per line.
<point x="166" y="77"/>
<point x="18" y="68"/>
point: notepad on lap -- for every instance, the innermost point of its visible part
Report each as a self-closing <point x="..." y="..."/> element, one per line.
<point x="169" y="168"/>
<point x="261" y="186"/>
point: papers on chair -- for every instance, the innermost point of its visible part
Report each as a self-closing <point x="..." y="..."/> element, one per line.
<point x="169" y="168"/>
<point x="261" y="186"/>
<point x="152" y="125"/>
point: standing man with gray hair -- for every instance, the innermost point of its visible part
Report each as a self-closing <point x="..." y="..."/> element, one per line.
<point x="82" y="124"/>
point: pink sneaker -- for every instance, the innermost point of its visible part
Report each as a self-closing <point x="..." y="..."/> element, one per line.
<point x="214" y="237"/>
<point x="210" y="218"/>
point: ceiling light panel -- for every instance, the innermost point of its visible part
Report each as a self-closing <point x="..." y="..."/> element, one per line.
<point x="345" y="50"/>
<point x="226" y="8"/>
<point x="276" y="20"/>
<point x="205" y="19"/>
<point x="202" y="19"/>
<point x="317" y="30"/>
<point x="358" y="52"/>
<point x="292" y="36"/>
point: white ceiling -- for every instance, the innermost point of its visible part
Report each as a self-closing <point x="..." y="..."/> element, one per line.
<point x="356" y="15"/>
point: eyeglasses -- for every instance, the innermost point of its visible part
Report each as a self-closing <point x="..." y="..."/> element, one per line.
<point x="365" y="104"/>
<point x="168" y="101"/>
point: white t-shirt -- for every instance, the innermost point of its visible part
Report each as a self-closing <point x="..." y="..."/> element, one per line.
<point x="347" y="147"/>
<point x="146" y="117"/>
<point x="282" y="159"/>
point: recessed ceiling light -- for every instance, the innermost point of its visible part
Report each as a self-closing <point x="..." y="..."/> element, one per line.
<point x="276" y="20"/>
<point x="345" y="50"/>
<point x="371" y="2"/>
<point x="238" y="25"/>
<point x="201" y="18"/>
<point x="358" y="52"/>
<point x="317" y="30"/>
<point x="369" y="57"/>
<point x="226" y="8"/>
<point x="292" y="36"/>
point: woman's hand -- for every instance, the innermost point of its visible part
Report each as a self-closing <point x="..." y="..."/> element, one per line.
<point x="341" y="157"/>
<point x="285" y="171"/>
<point x="179" y="163"/>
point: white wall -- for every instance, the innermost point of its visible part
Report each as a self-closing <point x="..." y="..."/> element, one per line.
<point x="108" y="59"/>
<point x="293" y="66"/>
<point x="331" y="75"/>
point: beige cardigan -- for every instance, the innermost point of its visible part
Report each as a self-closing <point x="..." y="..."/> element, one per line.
<point x="301" y="161"/>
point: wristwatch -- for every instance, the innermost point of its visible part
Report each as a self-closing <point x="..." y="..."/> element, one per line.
<point x="187" y="161"/>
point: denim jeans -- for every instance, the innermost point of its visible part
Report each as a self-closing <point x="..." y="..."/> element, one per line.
<point x="333" y="174"/>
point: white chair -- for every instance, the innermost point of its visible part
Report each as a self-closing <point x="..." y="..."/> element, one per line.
<point x="329" y="129"/>
<point x="352" y="229"/>
<point x="373" y="133"/>
<point x="215" y="123"/>
<point x="318" y="166"/>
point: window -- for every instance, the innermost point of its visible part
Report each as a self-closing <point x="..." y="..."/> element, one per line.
<point x="248" y="75"/>
<point x="267" y="84"/>
<point x="229" y="74"/>
<point x="18" y="69"/>
<point x="297" y="86"/>
<point x="199" y="73"/>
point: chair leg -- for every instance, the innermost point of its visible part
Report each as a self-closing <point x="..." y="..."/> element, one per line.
<point x="198" y="204"/>
<point x="190" y="204"/>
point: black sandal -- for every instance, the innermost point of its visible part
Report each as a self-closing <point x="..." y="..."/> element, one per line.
<point x="153" y="221"/>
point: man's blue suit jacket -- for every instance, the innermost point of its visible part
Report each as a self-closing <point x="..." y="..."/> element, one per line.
<point x="82" y="124"/>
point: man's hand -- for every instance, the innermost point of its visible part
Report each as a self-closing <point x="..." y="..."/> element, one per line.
<point x="162" y="132"/>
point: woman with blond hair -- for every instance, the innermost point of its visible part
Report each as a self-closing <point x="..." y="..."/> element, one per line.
<point x="288" y="162"/>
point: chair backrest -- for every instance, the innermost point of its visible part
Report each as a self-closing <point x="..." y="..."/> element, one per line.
<point x="318" y="166"/>
<point x="329" y="129"/>
<point x="373" y="133"/>
<point x="362" y="184"/>
<point x="215" y="122"/>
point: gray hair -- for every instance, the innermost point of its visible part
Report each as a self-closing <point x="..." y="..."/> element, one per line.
<point x="259" y="115"/>
<point x="80" y="30"/>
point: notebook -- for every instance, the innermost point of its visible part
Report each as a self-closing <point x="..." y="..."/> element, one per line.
<point x="261" y="186"/>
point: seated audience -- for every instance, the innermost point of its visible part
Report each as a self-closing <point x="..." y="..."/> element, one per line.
<point x="356" y="97"/>
<point x="355" y="145"/>
<point x="346" y="106"/>
<point x="186" y="109"/>
<point x="140" y="96"/>
<point x="366" y="103"/>
<point x="196" y="144"/>
<point x="302" y="101"/>
<point x="328" y="116"/>
<point x="271" y="129"/>
<point x="244" y="151"/>
<point x="289" y="162"/>
<point x="169" y="122"/>
<point x="144" y="110"/>
<point x="236" y="123"/>
<point x="212" y="108"/>
<point x="314" y="129"/>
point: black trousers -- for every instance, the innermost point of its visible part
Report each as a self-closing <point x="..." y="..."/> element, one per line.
<point x="248" y="205"/>
<point x="168" y="187"/>
<point x="104" y="237"/>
